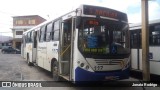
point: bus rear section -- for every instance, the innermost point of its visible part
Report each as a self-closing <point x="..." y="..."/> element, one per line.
<point x="154" y="47"/>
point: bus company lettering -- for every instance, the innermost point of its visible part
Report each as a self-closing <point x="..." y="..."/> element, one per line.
<point x="42" y="47"/>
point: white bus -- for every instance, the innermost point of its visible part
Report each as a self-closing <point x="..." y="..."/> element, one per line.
<point x="154" y="47"/>
<point x="90" y="43"/>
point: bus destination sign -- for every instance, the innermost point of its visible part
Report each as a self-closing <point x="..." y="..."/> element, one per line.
<point x="101" y="11"/>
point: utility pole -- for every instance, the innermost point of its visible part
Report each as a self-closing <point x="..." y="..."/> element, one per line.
<point x="145" y="41"/>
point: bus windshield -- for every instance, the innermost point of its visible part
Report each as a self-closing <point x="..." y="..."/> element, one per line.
<point x="102" y="37"/>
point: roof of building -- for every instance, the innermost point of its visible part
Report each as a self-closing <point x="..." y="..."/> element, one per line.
<point x="27" y="16"/>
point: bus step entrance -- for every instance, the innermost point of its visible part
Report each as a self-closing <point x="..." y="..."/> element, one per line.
<point x="65" y="67"/>
<point x="66" y="77"/>
<point x="65" y="61"/>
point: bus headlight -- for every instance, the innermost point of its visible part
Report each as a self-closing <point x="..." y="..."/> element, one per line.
<point x="82" y="65"/>
<point x="78" y="62"/>
<point x="87" y="67"/>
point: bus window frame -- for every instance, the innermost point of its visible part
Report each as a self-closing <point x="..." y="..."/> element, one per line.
<point x="136" y="40"/>
<point x="42" y="39"/>
<point x="49" y="34"/>
<point x="154" y="39"/>
<point x="29" y="37"/>
<point x="56" y="30"/>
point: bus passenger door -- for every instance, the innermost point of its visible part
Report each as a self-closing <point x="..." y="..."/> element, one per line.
<point x="41" y="49"/>
<point x="34" y="49"/>
<point x="65" y="49"/>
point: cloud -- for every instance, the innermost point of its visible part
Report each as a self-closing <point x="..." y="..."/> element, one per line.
<point x="154" y="10"/>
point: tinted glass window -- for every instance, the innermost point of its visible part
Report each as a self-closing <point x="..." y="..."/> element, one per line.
<point x="56" y="30"/>
<point x="49" y="32"/>
<point x="155" y="35"/>
<point x="135" y="37"/>
<point x="42" y="34"/>
<point x="29" y="37"/>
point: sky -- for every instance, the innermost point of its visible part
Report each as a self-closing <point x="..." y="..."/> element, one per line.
<point x="54" y="8"/>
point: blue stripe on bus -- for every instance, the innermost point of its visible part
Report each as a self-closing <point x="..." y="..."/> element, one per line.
<point x="83" y="75"/>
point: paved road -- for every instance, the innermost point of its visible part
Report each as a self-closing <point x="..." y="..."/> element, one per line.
<point x="15" y="68"/>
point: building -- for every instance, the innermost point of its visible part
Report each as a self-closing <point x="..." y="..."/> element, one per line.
<point x="21" y="24"/>
<point x="6" y="43"/>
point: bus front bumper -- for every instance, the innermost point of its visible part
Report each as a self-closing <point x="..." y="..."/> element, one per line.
<point x="83" y="75"/>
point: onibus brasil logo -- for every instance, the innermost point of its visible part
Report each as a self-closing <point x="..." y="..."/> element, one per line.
<point x="21" y="84"/>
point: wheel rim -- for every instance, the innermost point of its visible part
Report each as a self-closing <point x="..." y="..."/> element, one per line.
<point x="55" y="73"/>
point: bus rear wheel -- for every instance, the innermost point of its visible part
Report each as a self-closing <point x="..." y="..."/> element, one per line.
<point x="3" y="52"/>
<point x="55" y="71"/>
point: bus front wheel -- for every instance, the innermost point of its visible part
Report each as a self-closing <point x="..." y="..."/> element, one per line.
<point x="55" y="71"/>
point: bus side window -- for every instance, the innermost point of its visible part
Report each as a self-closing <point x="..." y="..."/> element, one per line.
<point x="49" y="32"/>
<point x="56" y="30"/>
<point x="135" y="38"/>
<point x="32" y="36"/>
<point x="155" y="35"/>
<point x="29" y="37"/>
<point x="42" y="34"/>
<point x="52" y="32"/>
<point x="26" y="38"/>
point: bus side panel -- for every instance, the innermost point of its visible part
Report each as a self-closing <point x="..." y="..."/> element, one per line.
<point x="29" y="51"/>
<point x="136" y="64"/>
<point x="52" y="52"/>
<point x="155" y="60"/>
<point x="41" y="55"/>
<point x="155" y="67"/>
<point x="25" y="53"/>
<point x="140" y="59"/>
<point x="47" y="61"/>
<point x="154" y="51"/>
<point x="34" y="54"/>
<point x="134" y="59"/>
<point x="39" y="58"/>
<point x="22" y="50"/>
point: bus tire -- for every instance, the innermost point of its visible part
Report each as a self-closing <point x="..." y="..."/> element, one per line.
<point x="55" y="71"/>
<point x="28" y="61"/>
<point x="3" y="52"/>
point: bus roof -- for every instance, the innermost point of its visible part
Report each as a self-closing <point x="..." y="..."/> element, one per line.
<point x="138" y="25"/>
<point x="89" y="10"/>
